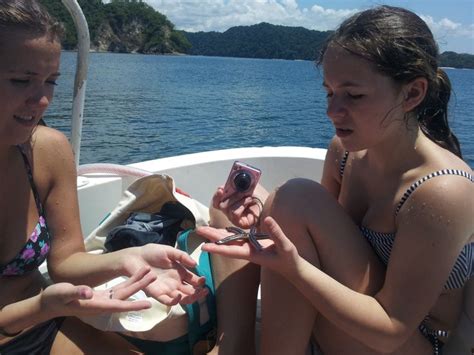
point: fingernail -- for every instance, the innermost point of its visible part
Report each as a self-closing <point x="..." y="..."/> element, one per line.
<point x="83" y="293"/>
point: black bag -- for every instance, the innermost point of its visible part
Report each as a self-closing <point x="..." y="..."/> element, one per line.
<point x="142" y="228"/>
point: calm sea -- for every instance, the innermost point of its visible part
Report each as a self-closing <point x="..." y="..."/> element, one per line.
<point x="142" y="107"/>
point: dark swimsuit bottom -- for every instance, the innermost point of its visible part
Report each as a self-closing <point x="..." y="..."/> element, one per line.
<point x="35" y="341"/>
<point x="382" y="244"/>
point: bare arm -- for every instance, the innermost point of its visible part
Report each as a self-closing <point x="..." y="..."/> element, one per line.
<point x="68" y="260"/>
<point x="65" y="299"/>
<point x="55" y="170"/>
<point x="20" y="315"/>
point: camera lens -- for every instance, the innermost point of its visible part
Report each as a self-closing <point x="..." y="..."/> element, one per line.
<point x="242" y="181"/>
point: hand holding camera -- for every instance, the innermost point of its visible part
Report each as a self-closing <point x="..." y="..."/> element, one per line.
<point x="242" y="180"/>
<point x="241" y="198"/>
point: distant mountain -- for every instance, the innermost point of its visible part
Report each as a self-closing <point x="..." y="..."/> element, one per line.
<point x="280" y="42"/>
<point x="455" y="60"/>
<point x="258" y="41"/>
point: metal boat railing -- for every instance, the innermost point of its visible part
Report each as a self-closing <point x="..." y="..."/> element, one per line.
<point x="83" y="46"/>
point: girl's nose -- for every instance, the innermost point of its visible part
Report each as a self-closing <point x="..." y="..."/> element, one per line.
<point x="335" y="108"/>
<point x="39" y="99"/>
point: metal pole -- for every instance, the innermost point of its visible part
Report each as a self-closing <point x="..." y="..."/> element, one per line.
<point x="83" y="46"/>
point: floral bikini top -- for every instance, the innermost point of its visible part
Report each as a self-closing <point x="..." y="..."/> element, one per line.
<point x="36" y="249"/>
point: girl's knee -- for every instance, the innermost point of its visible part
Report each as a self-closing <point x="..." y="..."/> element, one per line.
<point x="296" y="196"/>
<point x="298" y="185"/>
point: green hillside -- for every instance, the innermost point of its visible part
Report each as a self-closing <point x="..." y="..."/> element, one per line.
<point x="270" y="41"/>
<point x="455" y="60"/>
<point x="258" y="41"/>
<point x="122" y="26"/>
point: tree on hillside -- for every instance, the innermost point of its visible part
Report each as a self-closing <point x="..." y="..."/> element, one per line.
<point x="263" y="40"/>
<point x="452" y="59"/>
<point x="149" y="27"/>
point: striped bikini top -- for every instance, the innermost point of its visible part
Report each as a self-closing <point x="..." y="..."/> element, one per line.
<point x="382" y="243"/>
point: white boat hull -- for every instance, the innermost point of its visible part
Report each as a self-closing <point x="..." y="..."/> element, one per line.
<point x="198" y="175"/>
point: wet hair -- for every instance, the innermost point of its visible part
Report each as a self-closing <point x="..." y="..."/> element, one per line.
<point x="29" y="16"/>
<point x="401" y="46"/>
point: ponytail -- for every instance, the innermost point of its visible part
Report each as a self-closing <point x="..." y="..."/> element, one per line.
<point x="433" y="114"/>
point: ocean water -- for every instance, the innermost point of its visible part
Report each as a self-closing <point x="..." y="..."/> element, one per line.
<point x="142" y="107"/>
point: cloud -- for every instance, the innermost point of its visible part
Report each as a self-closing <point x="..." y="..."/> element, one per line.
<point x="446" y="27"/>
<point x="219" y="15"/>
<point x="444" y="24"/>
<point x="469" y="32"/>
<point x="451" y="35"/>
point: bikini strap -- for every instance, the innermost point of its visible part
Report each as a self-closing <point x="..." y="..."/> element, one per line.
<point x="414" y="186"/>
<point x="29" y="172"/>
<point x="342" y="166"/>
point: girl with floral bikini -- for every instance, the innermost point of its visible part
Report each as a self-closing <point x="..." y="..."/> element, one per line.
<point x="39" y="215"/>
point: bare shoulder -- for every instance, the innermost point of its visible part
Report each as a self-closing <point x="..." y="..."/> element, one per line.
<point x="50" y="142"/>
<point x="447" y="187"/>
<point x="331" y="175"/>
<point x="51" y="153"/>
<point x="47" y="137"/>
<point x="442" y="203"/>
<point x="438" y="158"/>
<point x="445" y="181"/>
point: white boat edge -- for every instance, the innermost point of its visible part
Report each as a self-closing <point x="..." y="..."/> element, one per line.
<point x="198" y="174"/>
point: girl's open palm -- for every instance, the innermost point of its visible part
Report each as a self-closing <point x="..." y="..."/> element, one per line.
<point x="278" y="253"/>
<point x="174" y="283"/>
<point x="65" y="299"/>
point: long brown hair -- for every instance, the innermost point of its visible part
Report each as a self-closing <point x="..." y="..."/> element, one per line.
<point x="29" y="16"/>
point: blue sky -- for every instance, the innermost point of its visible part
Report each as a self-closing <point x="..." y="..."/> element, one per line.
<point x="452" y="21"/>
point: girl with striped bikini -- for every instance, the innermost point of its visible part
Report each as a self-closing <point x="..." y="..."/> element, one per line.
<point x="376" y="257"/>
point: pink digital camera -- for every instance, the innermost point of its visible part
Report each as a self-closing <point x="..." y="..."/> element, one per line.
<point x="242" y="180"/>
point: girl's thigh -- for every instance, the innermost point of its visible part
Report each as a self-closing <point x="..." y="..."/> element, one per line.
<point x="326" y="235"/>
<point x="76" y="337"/>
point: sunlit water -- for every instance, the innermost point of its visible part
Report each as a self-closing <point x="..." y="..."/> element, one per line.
<point x="142" y="107"/>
